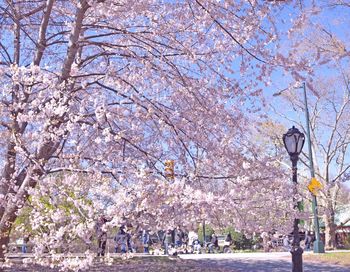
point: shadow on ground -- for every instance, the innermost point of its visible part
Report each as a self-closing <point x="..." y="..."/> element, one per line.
<point x="266" y="266"/>
<point x="205" y="265"/>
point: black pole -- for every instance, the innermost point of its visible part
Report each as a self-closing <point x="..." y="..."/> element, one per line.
<point x="204" y="233"/>
<point x="297" y="251"/>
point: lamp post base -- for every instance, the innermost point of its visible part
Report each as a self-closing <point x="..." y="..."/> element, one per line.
<point x="297" y="258"/>
<point x="318" y="246"/>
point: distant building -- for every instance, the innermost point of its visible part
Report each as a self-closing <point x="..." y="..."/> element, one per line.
<point x="342" y="220"/>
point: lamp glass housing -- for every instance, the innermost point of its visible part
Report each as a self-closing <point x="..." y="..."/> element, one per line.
<point x="294" y="141"/>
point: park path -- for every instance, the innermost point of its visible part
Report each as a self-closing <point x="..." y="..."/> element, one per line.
<point x="257" y="262"/>
<point x="238" y="262"/>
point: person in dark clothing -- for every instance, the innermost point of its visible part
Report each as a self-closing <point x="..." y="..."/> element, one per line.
<point x="185" y="238"/>
<point x="228" y="243"/>
<point x="130" y="240"/>
<point x="145" y="238"/>
<point x="228" y="238"/>
<point x="214" y="243"/>
<point x="101" y="236"/>
<point x="178" y="237"/>
<point x="121" y="240"/>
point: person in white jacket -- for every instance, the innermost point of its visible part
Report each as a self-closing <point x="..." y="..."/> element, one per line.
<point x="194" y="242"/>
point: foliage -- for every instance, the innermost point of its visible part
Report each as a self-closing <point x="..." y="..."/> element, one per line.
<point x="241" y="242"/>
<point x="347" y="242"/>
<point x="208" y="232"/>
<point x="64" y="219"/>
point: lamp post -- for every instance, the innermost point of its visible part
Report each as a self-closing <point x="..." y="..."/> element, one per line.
<point x="293" y="142"/>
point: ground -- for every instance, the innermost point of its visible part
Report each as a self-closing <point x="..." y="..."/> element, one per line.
<point x="338" y="258"/>
<point x="237" y="262"/>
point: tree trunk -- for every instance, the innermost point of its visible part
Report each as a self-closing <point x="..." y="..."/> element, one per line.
<point x="330" y="242"/>
<point x="25" y="180"/>
<point x="4" y="240"/>
<point x="33" y="172"/>
<point x="5" y="236"/>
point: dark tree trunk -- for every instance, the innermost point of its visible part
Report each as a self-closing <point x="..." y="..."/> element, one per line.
<point x="330" y="240"/>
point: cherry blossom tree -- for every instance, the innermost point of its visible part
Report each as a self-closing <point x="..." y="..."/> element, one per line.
<point x="97" y="94"/>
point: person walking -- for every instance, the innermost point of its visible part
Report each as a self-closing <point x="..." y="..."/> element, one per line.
<point x="266" y="238"/>
<point x="129" y="240"/>
<point x="167" y="241"/>
<point x="101" y="234"/>
<point x="307" y="241"/>
<point x="178" y="236"/>
<point x="145" y="241"/>
<point x="286" y="243"/>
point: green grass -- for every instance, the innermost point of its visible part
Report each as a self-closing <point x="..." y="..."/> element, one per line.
<point x="339" y="258"/>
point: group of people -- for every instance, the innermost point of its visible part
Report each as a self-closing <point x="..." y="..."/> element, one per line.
<point x="184" y="242"/>
<point x="189" y="242"/>
<point x="308" y="239"/>
<point x="123" y="239"/>
<point x="269" y="243"/>
<point x="176" y="238"/>
<point x="172" y="240"/>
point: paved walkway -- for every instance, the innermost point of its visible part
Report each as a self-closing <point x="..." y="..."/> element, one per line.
<point x="237" y="262"/>
<point x="258" y="262"/>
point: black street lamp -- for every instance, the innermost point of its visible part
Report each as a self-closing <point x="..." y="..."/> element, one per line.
<point x="294" y="141"/>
